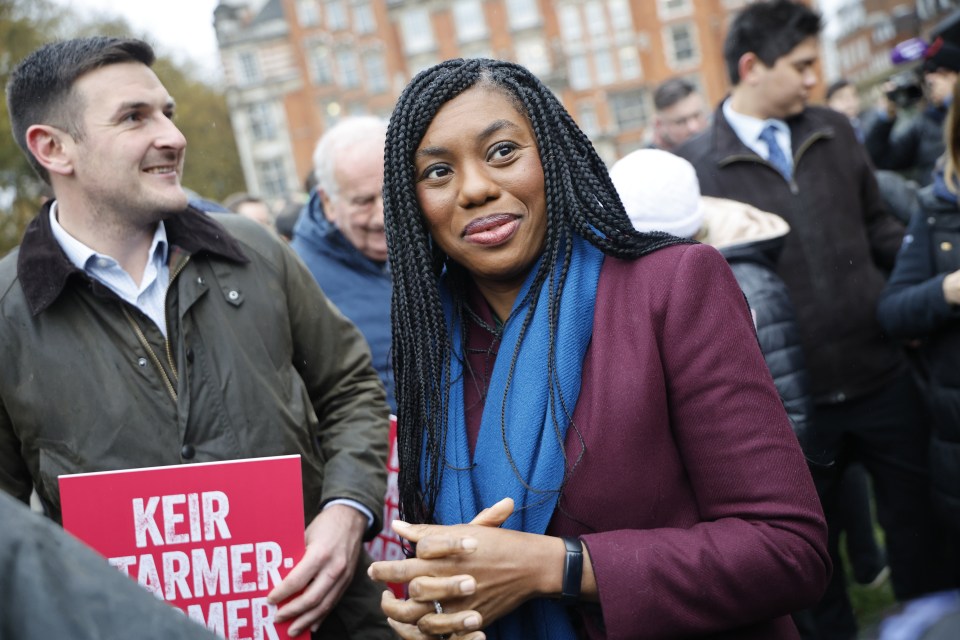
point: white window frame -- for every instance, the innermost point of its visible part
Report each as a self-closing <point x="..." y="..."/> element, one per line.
<point x="308" y="13"/>
<point x="338" y="18"/>
<point x="469" y="20"/>
<point x="272" y="177"/>
<point x="248" y="68"/>
<point x="669" y="44"/>
<point x="416" y="29"/>
<point x="523" y="14"/>
<point x="375" y="70"/>
<point x="669" y="9"/>
<point x="595" y="17"/>
<point x="348" y="68"/>
<point x="571" y="23"/>
<point x="578" y="71"/>
<point x="534" y="55"/>
<point x="261" y="122"/>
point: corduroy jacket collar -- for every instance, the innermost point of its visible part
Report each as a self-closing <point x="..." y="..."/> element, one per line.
<point x="730" y="147"/>
<point x="44" y="269"/>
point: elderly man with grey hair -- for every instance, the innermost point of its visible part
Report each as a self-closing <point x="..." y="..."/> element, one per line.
<point x="340" y="234"/>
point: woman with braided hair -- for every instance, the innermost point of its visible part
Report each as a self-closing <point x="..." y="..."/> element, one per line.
<point x="590" y="443"/>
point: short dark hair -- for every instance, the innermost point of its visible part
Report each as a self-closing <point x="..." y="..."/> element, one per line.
<point x="837" y="85"/>
<point x="40" y="89"/>
<point x="671" y="91"/>
<point x="770" y="30"/>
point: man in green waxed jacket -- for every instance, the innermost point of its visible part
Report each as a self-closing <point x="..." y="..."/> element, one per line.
<point x="138" y="331"/>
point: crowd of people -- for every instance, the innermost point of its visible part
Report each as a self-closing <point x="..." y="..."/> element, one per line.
<point x="718" y="354"/>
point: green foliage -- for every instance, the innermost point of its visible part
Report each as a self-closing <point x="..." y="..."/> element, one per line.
<point x="22" y="29"/>
<point x="213" y="165"/>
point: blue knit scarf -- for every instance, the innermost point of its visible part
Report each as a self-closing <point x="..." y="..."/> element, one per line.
<point x="535" y="422"/>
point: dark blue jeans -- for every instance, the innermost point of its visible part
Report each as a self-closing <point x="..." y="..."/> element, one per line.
<point x="888" y="432"/>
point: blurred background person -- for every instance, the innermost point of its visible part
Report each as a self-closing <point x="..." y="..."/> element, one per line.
<point x="660" y="192"/>
<point x="288" y="217"/>
<point x="844" y="98"/>
<point x="340" y="235"/>
<point x="680" y="113"/>
<point x="251" y="207"/>
<point x="769" y="148"/>
<point x="922" y="302"/>
<point x="914" y="147"/>
<point x="898" y="193"/>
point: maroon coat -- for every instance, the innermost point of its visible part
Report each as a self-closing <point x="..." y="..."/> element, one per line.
<point x="692" y="495"/>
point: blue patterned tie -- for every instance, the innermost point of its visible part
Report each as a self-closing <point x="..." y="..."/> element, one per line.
<point x="775" y="156"/>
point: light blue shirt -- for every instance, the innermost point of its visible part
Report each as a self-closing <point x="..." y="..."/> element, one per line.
<point x="748" y="129"/>
<point x="149" y="296"/>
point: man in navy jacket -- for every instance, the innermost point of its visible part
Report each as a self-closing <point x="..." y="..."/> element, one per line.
<point x="340" y="234"/>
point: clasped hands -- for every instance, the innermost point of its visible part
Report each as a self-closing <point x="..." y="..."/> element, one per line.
<point x="477" y="572"/>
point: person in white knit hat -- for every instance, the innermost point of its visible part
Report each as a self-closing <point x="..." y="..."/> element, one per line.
<point x="660" y="192"/>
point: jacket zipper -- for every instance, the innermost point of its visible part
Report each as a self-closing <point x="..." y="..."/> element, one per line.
<point x="153" y="355"/>
<point x="170" y="386"/>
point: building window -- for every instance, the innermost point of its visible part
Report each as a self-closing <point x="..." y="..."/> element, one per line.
<point x="262" y="126"/>
<point x="673" y="8"/>
<point x="681" y="41"/>
<point x="523" y="13"/>
<point x="578" y="71"/>
<point x="337" y="15"/>
<point x="363" y="18"/>
<point x="629" y="62"/>
<point x="476" y="52"/>
<point x="587" y="118"/>
<point x="603" y="63"/>
<point x="532" y="53"/>
<point x="620" y="17"/>
<point x="571" y="29"/>
<point x="596" y="20"/>
<point x="376" y="72"/>
<point x="249" y="67"/>
<point x="348" y="68"/>
<point x="318" y="59"/>
<point x="469" y="19"/>
<point x="308" y="15"/>
<point x="629" y="109"/>
<point x="272" y="177"/>
<point x="417" y="31"/>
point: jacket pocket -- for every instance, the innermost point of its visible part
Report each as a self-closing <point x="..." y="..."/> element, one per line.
<point x="55" y="459"/>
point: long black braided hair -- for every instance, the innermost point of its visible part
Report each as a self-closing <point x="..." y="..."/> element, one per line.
<point x="580" y="198"/>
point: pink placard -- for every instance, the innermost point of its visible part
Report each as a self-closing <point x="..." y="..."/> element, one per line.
<point x="212" y="539"/>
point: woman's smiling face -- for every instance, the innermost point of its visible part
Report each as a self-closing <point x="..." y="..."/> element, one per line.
<point x="480" y="185"/>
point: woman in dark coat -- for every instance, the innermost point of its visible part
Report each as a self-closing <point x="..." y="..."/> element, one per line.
<point x="922" y="303"/>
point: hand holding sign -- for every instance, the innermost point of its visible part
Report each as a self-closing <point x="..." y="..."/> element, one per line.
<point x="333" y="545"/>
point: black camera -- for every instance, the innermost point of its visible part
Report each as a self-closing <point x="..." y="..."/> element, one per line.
<point x="906" y="91"/>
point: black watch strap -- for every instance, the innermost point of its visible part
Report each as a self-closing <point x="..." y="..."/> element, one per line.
<point x="572" y="571"/>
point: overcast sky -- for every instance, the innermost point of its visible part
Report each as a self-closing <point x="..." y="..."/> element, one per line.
<point x="180" y="27"/>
